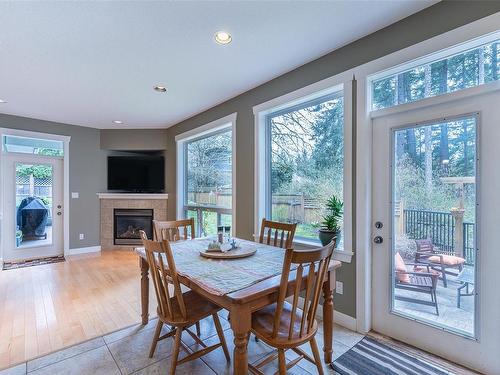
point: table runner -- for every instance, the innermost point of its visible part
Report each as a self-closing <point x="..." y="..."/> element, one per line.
<point x="224" y="276"/>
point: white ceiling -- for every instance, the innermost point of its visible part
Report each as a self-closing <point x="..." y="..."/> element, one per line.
<point x="88" y="63"/>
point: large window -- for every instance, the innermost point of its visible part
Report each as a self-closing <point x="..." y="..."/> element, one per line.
<point x="468" y="68"/>
<point x="208" y="181"/>
<point x="305" y="162"/>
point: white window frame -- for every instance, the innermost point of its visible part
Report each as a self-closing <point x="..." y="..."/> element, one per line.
<point x="341" y="82"/>
<point x="181" y="140"/>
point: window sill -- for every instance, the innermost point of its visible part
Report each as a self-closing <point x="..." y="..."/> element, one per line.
<point x="302" y="244"/>
<point x="338" y="254"/>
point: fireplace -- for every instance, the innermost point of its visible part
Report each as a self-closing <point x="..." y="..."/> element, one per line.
<point x="128" y="222"/>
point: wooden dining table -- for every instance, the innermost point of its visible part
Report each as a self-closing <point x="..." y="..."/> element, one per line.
<point x="243" y="301"/>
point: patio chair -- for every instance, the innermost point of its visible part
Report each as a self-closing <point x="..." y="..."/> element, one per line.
<point x="422" y="280"/>
<point x="427" y="253"/>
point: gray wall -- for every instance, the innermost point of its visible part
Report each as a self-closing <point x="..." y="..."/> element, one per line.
<point x="430" y="22"/>
<point x="133" y="140"/>
<point x="87" y="164"/>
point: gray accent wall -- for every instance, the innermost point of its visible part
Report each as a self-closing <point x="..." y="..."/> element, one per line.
<point x="133" y="139"/>
<point x="435" y="20"/>
<point x="87" y="174"/>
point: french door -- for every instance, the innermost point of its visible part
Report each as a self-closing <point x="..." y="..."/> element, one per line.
<point x="32" y="187"/>
<point x="435" y="246"/>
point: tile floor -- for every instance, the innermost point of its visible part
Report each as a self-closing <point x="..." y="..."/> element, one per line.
<point x="126" y="352"/>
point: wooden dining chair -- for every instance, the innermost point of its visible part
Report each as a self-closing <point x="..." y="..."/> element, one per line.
<point x="277" y="234"/>
<point x="177" y="309"/>
<point x="174" y="230"/>
<point x="285" y="325"/>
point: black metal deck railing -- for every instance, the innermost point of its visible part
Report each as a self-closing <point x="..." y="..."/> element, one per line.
<point x="440" y="228"/>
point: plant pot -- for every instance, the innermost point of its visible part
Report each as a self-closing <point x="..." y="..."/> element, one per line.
<point x="326" y="236"/>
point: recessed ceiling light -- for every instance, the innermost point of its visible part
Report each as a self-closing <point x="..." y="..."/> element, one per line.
<point x="117" y="122"/>
<point x="160" y="88"/>
<point x="3" y="101"/>
<point x="223" y="37"/>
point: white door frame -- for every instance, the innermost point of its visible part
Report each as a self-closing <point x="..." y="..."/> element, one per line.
<point x="363" y="131"/>
<point x="66" y="140"/>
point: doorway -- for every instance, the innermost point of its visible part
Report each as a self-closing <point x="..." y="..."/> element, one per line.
<point x="434" y="257"/>
<point x="33" y="220"/>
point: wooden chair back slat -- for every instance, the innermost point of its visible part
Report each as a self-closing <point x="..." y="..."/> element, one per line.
<point x="298" y="285"/>
<point x="173" y="230"/>
<point x="316" y="262"/>
<point x="277" y="234"/>
<point x="157" y="252"/>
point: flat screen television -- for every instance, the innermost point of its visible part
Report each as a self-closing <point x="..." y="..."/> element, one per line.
<point x="140" y="174"/>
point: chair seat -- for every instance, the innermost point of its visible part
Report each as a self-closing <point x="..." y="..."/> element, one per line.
<point x="197" y="308"/>
<point x="263" y="321"/>
<point x="448" y="260"/>
<point x="420" y="280"/>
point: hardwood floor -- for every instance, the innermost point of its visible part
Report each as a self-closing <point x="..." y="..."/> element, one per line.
<point x="45" y="308"/>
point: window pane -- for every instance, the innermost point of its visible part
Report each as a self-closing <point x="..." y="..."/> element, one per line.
<point x="307" y="158"/>
<point x="434" y="218"/>
<point x="467" y="69"/>
<point x="209" y="171"/>
<point x="33" y="146"/>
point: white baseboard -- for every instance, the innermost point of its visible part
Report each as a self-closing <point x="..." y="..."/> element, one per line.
<point x="344" y="320"/>
<point x="85" y="250"/>
<point x="339" y="318"/>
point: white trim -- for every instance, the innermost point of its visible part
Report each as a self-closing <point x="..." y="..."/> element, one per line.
<point x="66" y="140"/>
<point x="202" y="130"/>
<point x="345" y="320"/>
<point x="437" y="56"/>
<point x="84" y="250"/>
<point x="315" y="90"/>
<point x="227" y="122"/>
<point x="131" y="196"/>
<point x="341" y="82"/>
<point x="339" y="318"/>
<point x="33" y="134"/>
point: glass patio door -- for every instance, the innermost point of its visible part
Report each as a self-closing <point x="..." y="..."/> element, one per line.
<point x="435" y="215"/>
<point x="33" y="212"/>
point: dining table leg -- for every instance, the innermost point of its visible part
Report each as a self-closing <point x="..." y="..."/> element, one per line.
<point x="240" y="324"/>
<point x="328" y="316"/>
<point x="143" y="263"/>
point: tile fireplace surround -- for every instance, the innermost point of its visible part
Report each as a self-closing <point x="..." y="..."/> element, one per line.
<point x="110" y="201"/>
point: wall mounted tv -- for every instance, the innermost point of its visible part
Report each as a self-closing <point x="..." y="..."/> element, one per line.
<point x="138" y="173"/>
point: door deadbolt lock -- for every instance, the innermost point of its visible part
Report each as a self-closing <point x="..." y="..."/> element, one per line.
<point x="379" y="225"/>
<point x="59" y="206"/>
<point x="378" y="239"/>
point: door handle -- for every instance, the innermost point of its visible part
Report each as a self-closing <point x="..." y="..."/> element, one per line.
<point x="59" y="213"/>
<point x="378" y="239"/>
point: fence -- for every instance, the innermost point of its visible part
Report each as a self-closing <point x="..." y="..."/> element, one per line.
<point x="440" y="227"/>
<point x="296" y="208"/>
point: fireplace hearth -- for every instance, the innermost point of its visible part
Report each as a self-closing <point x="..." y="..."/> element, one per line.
<point x="127" y="224"/>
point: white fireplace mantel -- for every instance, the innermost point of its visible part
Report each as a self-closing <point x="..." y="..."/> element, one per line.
<point x="131" y="196"/>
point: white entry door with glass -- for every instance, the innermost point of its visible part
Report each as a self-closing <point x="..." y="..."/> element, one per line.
<point x="430" y="287"/>
<point x="32" y="188"/>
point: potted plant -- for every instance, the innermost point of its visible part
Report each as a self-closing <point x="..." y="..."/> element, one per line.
<point x="330" y="227"/>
